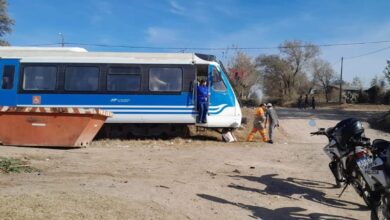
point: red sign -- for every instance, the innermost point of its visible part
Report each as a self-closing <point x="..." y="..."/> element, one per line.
<point x="36" y="100"/>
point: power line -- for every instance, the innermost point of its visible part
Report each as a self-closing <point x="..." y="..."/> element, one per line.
<point x="355" y="43"/>
<point x="209" y="48"/>
<point x="369" y="53"/>
<point x="228" y="48"/>
<point x="336" y="62"/>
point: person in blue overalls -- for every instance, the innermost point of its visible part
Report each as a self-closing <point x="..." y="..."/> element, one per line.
<point x="202" y="96"/>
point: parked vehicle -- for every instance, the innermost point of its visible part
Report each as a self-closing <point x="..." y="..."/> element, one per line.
<point x="148" y="93"/>
<point x="379" y="172"/>
<point x="350" y="155"/>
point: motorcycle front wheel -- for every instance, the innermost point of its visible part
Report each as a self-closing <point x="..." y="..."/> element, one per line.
<point x="337" y="170"/>
<point x="382" y="211"/>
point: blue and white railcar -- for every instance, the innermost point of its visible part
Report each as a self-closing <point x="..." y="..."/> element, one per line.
<point x="139" y="88"/>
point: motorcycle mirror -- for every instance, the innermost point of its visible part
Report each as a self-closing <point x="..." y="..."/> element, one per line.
<point x="312" y="123"/>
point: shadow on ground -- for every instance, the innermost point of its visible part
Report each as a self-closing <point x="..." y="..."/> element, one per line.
<point x="292" y="186"/>
<point x="280" y="213"/>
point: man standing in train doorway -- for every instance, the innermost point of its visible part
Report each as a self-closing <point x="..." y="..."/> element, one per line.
<point x="202" y="101"/>
<point x="259" y="124"/>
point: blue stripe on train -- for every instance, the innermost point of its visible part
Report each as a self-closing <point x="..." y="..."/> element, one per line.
<point x="183" y="99"/>
<point x="168" y="113"/>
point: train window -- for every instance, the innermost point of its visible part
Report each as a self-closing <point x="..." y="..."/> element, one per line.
<point x="165" y="79"/>
<point x="40" y="78"/>
<point x="218" y="84"/>
<point x="8" y="77"/>
<point x="81" y="78"/>
<point x="124" y="79"/>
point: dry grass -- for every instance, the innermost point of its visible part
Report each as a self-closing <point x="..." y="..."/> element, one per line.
<point x="13" y="165"/>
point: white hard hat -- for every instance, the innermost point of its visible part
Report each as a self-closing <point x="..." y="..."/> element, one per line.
<point x="269" y="105"/>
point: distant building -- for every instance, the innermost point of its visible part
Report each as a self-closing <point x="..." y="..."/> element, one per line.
<point x="378" y="94"/>
<point x="350" y="93"/>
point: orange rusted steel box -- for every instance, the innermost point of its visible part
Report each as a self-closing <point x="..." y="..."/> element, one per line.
<point x="50" y="127"/>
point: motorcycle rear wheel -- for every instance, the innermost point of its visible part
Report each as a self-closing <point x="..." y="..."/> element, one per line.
<point x="371" y="198"/>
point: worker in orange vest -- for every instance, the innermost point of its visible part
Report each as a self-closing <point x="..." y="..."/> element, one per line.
<point x="259" y="124"/>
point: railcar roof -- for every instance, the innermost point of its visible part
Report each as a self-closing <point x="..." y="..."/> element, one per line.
<point x="80" y="55"/>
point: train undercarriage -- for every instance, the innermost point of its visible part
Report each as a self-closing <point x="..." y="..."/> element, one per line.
<point x="160" y="131"/>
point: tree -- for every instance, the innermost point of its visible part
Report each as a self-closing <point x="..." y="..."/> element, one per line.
<point x="377" y="91"/>
<point x="243" y="74"/>
<point x="375" y="81"/>
<point x="285" y="74"/>
<point x="276" y="75"/>
<point x="323" y="74"/>
<point x="357" y="82"/>
<point x="5" y="22"/>
<point x="298" y="55"/>
<point x="386" y="71"/>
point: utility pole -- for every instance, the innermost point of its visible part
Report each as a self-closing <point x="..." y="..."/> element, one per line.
<point x="341" y="80"/>
<point x="62" y="39"/>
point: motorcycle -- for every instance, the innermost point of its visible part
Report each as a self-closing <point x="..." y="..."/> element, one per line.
<point x="379" y="172"/>
<point x="349" y="151"/>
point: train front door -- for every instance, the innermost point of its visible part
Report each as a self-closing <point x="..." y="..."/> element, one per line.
<point x="219" y="97"/>
<point x="9" y="69"/>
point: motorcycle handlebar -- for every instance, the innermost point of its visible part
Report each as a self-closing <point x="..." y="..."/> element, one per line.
<point x="318" y="133"/>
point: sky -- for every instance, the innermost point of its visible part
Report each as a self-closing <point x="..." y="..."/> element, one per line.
<point x="212" y="24"/>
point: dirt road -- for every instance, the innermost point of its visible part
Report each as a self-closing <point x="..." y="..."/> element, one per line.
<point x="186" y="178"/>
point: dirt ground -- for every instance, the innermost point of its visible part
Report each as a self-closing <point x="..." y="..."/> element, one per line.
<point x="194" y="178"/>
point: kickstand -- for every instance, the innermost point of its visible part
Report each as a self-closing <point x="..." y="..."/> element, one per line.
<point x="345" y="187"/>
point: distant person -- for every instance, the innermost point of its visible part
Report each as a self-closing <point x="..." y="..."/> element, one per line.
<point x="306" y="102"/>
<point x="202" y="101"/>
<point x="313" y="103"/>
<point x="300" y="100"/>
<point x="273" y="121"/>
<point x="259" y="124"/>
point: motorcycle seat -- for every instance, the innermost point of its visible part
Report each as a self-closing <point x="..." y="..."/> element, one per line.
<point x="380" y="144"/>
<point x="384" y="146"/>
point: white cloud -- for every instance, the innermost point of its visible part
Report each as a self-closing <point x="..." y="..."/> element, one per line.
<point x="161" y="36"/>
<point x="176" y="8"/>
<point x="195" y="11"/>
<point x="99" y="10"/>
<point x="104" y="7"/>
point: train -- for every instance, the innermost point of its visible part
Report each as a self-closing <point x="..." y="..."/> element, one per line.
<point x="148" y="93"/>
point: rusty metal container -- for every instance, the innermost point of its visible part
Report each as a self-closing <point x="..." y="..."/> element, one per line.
<point x="50" y="127"/>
